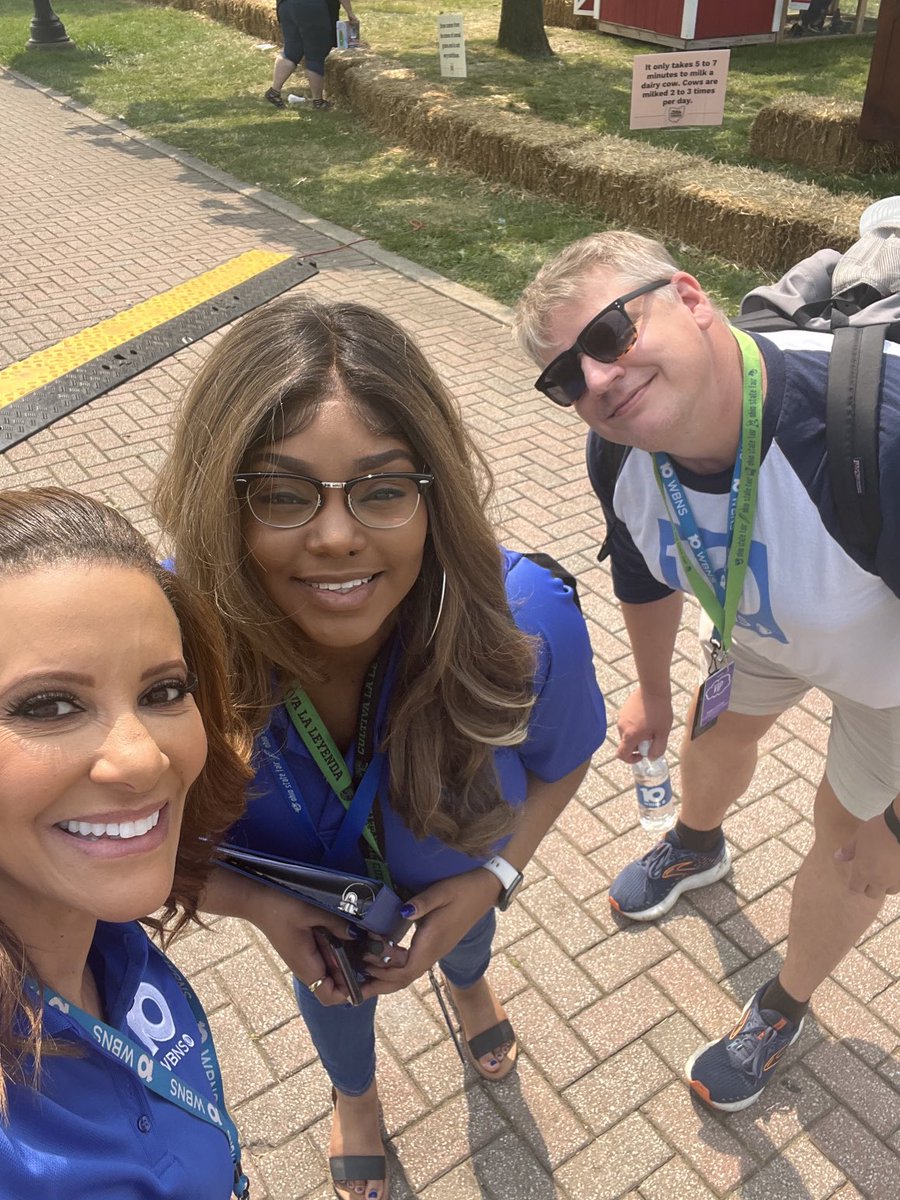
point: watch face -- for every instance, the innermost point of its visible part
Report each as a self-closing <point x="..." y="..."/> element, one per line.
<point x="508" y="895"/>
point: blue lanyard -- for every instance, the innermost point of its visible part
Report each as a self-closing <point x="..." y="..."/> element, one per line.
<point x="686" y="523"/>
<point x="133" y="1056"/>
<point x="289" y="789"/>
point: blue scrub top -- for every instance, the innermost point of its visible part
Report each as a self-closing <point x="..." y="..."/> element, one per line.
<point x="567" y="724"/>
<point x="93" y="1129"/>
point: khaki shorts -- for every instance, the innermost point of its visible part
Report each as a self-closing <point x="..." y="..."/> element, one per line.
<point x="863" y="760"/>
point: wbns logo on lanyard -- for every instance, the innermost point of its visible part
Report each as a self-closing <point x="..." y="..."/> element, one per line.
<point x="164" y="1083"/>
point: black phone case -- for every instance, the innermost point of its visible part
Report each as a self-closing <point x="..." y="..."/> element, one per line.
<point x="340" y="965"/>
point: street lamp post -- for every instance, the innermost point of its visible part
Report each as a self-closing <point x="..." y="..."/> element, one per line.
<point x="47" y="30"/>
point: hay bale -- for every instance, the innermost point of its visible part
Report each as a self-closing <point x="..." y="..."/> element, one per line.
<point x="621" y="178"/>
<point x="256" y="17"/>
<point x="818" y="132"/>
<point x="756" y="218"/>
<point x="753" y="217"/>
<point x="559" y="13"/>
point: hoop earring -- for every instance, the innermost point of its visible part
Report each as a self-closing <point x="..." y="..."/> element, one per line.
<point x="440" y="610"/>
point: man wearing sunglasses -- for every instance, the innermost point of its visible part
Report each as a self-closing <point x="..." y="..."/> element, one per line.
<point x="724" y="493"/>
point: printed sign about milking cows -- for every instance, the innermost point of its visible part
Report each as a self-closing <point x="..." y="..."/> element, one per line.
<point x="671" y="90"/>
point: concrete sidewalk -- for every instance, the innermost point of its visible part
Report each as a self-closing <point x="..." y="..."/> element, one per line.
<point x="93" y="219"/>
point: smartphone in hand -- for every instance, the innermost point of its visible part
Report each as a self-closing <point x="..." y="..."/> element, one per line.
<point x="339" y="964"/>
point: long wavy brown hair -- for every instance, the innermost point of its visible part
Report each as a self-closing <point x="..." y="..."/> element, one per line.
<point x="42" y="528"/>
<point x="459" y="695"/>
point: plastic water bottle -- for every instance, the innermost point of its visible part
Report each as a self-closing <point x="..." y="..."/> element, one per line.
<point x="656" y="805"/>
<point x="295" y="101"/>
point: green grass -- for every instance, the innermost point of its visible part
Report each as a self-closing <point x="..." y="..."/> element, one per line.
<point x="198" y="85"/>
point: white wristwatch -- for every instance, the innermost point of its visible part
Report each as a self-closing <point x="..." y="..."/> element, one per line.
<point x="509" y="876"/>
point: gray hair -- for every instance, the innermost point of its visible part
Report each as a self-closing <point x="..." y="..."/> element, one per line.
<point x="635" y="259"/>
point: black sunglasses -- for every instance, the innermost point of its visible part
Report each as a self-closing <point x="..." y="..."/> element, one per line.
<point x="605" y="338"/>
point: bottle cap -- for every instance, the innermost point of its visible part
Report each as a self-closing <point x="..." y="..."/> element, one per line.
<point x="644" y="748"/>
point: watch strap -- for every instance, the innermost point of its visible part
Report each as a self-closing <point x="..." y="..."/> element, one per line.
<point x="503" y="870"/>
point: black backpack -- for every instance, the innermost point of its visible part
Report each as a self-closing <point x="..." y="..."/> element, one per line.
<point x="861" y="318"/>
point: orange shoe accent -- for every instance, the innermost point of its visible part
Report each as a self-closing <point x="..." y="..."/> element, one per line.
<point x="680" y="870"/>
<point x="613" y="904"/>
<point x="702" y="1091"/>
<point x="745" y="1016"/>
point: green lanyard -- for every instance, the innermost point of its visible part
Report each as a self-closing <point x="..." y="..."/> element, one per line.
<point x="720" y="597"/>
<point x="358" y="794"/>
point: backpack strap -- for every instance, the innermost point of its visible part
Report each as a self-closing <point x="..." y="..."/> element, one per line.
<point x="612" y="455"/>
<point x="851" y="430"/>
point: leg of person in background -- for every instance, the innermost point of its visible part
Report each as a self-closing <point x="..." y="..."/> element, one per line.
<point x="282" y="72"/>
<point x="317" y="85"/>
<point x="290" y="14"/>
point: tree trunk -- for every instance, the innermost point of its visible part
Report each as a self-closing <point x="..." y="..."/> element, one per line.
<point x="880" y="120"/>
<point x="522" y="29"/>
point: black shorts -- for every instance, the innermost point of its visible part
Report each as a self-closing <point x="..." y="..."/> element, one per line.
<point x="306" y="29"/>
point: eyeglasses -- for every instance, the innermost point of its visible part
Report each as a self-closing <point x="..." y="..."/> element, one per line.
<point x="376" y="501"/>
<point x="605" y="338"/>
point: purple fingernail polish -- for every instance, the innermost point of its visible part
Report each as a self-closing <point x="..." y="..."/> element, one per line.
<point x="352" y="932"/>
<point x="407" y="911"/>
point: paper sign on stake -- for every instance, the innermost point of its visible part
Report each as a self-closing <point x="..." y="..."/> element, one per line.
<point x="669" y="90"/>
<point x="452" y="45"/>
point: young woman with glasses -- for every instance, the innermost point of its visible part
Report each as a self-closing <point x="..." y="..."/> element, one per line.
<point x="324" y="492"/>
<point x="112" y="798"/>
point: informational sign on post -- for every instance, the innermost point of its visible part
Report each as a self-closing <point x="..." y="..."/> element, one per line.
<point x="452" y="45"/>
<point x="669" y="90"/>
<point x="587" y="8"/>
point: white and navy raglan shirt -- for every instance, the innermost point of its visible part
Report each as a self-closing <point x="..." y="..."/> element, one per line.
<point x="811" y="604"/>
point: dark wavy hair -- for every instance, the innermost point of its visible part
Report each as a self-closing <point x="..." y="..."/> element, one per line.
<point x="42" y="528"/>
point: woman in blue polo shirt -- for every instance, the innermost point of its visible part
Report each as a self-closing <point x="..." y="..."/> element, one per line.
<point x="424" y="700"/>
<point x="108" y="669"/>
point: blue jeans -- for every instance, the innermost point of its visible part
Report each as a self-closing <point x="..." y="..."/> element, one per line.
<point x="344" y="1036"/>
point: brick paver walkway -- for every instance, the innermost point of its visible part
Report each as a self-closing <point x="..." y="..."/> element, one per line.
<point x="93" y="221"/>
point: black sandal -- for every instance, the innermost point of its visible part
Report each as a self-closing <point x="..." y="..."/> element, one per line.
<point x="344" y="1167"/>
<point x="274" y="97"/>
<point x="482" y="1043"/>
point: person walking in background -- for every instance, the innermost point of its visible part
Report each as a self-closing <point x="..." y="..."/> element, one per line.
<point x="383" y="593"/>
<point x="725" y="493"/>
<point x="308" y="34"/>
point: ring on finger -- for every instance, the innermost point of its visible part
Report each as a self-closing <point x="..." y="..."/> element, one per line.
<point x="316" y="984"/>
